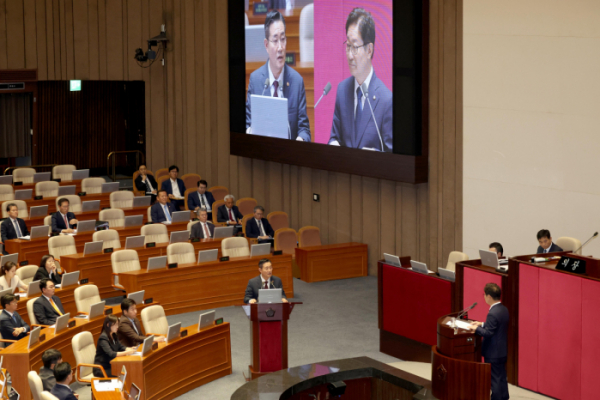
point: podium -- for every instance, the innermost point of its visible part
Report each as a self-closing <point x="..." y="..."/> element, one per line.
<point x="268" y="332"/>
<point x="457" y="372"/>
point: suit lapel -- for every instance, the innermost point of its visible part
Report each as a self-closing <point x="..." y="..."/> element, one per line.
<point x="366" y="112"/>
<point x="349" y="99"/>
<point x="285" y="81"/>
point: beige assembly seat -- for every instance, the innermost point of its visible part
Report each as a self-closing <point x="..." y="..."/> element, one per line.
<point x="235" y="247"/>
<point x="74" y="202"/>
<point x="26" y="273"/>
<point x="155" y="233"/>
<point x="6" y="192"/>
<point x="149" y="212"/>
<point x="453" y="258"/>
<point x="123" y="261"/>
<point x="48" y="396"/>
<point x="190" y="224"/>
<point x="46" y="189"/>
<point x="307" y="34"/>
<point x="569" y="244"/>
<point x="309" y="236"/>
<point x="21" y="205"/>
<point x="92" y="185"/>
<point x="84" y="350"/>
<point x="35" y="384"/>
<point x="181" y="253"/>
<point x="48" y="222"/>
<point x="85" y="296"/>
<point x="24" y="175"/>
<point x="154" y="320"/>
<point x="121" y="199"/>
<point x="63" y="245"/>
<point x="63" y="172"/>
<point x="114" y="216"/>
<point x="110" y="238"/>
<point x="32" y="320"/>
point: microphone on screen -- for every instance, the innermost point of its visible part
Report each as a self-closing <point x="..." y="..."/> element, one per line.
<point x="267" y="84"/>
<point x="325" y="92"/>
<point x="365" y="90"/>
<point x="580" y="247"/>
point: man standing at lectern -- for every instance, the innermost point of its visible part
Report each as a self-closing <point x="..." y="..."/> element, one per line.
<point x="495" y="341"/>
<point x="265" y="280"/>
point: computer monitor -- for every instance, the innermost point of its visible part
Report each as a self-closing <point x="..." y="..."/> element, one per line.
<point x="138" y="297"/>
<point x="10" y="257"/>
<point x="447" y="274"/>
<point x="110" y="187"/>
<point x="66" y="190"/>
<point x="173" y="332"/>
<point x="6" y="291"/>
<point x="38" y="211"/>
<point x="260" y="249"/>
<point x="41" y="177"/>
<point x="90" y="205"/>
<point x="141" y="201"/>
<point x="134" y="220"/>
<point x="92" y="248"/>
<point x="147" y="345"/>
<point x="134" y="392"/>
<point x="180" y="216"/>
<point x="391" y="259"/>
<point x="69" y="278"/>
<point x="223" y="232"/>
<point x="33" y="288"/>
<point x="79" y="174"/>
<point x="206" y="320"/>
<point x="157" y="262"/>
<point x="489" y="258"/>
<point x="134" y="242"/>
<point x="419" y="267"/>
<point x="86" y="226"/>
<point x="62" y="323"/>
<point x="23" y="194"/>
<point x="34" y="337"/>
<point x="208" y="255"/>
<point x="180" y="237"/>
<point x="6" y="180"/>
<point x="96" y="310"/>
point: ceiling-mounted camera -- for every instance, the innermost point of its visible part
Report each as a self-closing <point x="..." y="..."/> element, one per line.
<point x="159" y="42"/>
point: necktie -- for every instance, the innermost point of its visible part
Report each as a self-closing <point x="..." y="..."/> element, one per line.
<point x="148" y="187"/>
<point x="55" y="307"/>
<point x="14" y="318"/>
<point x="19" y="233"/>
<point x="166" y="209"/>
<point x="231" y="216"/>
<point x="135" y="327"/>
<point x="276" y="86"/>
<point x="359" y="107"/>
<point x="206" y="232"/>
<point x="260" y="227"/>
<point x="202" y="200"/>
<point x="66" y="222"/>
<point x="266" y="284"/>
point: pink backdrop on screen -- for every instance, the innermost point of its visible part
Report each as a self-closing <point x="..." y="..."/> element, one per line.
<point x="331" y="64"/>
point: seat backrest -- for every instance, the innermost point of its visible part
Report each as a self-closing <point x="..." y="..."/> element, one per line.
<point x="246" y="205"/>
<point x="85" y="296"/>
<point x="30" y="314"/>
<point x="186" y="194"/>
<point x="60" y="246"/>
<point x="235" y="247"/>
<point x="149" y="212"/>
<point x="245" y="221"/>
<point x="26" y="273"/>
<point x="74" y="202"/>
<point x="48" y="396"/>
<point x="24" y="175"/>
<point x="307" y="34"/>
<point x="161" y="172"/>
<point x="35" y="384"/>
<point x="121" y="198"/>
<point x="190" y="224"/>
<point x="92" y="185"/>
<point x="114" y="216"/>
<point x="278" y="220"/>
<point x="215" y="207"/>
<point x="160" y="180"/>
<point x="219" y="192"/>
<point x="84" y="350"/>
<point x="135" y="175"/>
<point x="46" y="189"/>
<point x="155" y="233"/>
<point x="48" y="221"/>
<point x="181" y="253"/>
<point x="190" y="181"/>
<point x="286" y="240"/>
<point x="6" y="192"/>
<point x="453" y="258"/>
<point x="309" y="236"/>
<point x="110" y="239"/>
<point x="125" y="261"/>
<point x="154" y="320"/>
<point x="63" y="172"/>
<point x="21" y="205"/>
<point x="569" y="244"/>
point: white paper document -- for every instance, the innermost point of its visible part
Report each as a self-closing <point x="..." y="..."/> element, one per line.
<point x="460" y="324"/>
<point x="107" y="386"/>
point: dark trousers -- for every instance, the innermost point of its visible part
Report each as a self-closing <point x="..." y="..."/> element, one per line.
<point x="499" y="382"/>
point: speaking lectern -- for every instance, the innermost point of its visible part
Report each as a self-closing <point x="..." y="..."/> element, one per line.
<point x="268" y="337"/>
<point x="457" y="372"/>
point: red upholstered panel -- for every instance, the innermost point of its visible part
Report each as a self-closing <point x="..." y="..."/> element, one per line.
<point x="559" y="365"/>
<point x="590" y="343"/>
<point x="528" y="326"/>
<point x="270" y="346"/>
<point x="473" y="283"/>
<point x="413" y="302"/>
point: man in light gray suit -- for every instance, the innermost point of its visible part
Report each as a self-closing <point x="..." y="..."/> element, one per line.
<point x="265" y="280"/>
<point x="284" y="81"/>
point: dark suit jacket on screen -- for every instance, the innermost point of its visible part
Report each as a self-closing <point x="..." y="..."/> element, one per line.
<point x="198" y="232"/>
<point x="157" y="212"/>
<point x="553" y="249"/>
<point x="494" y="332"/>
<point x="194" y="200"/>
<point x="44" y="312"/>
<point x="58" y="223"/>
<point x="8" y="229"/>
<point x="127" y="335"/>
<point x="47" y="377"/>
<point x="255" y="284"/>
<point x="8" y="324"/>
<point x="252" y="230"/>
<point x="223" y="214"/>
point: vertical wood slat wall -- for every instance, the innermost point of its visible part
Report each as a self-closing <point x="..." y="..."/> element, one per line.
<point x="187" y="115"/>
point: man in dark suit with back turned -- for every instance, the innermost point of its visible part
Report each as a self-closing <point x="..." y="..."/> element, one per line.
<point x="63" y="220"/>
<point x="47" y="308"/>
<point x="203" y="229"/>
<point x="495" y="340"/>
<point x="146" y="183"/>
<point x="64" y="376"/>
<point x="162" y="210"/>
<point x="259" y="227"/>
<point x="265" y="280"/>
<point x="546" y="245"/>
<point x="12" y="325"/>
<point x="12" y="227"/>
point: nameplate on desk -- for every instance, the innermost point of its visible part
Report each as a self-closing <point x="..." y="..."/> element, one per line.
<point x="570" y="264"/>
<point x="54" y="233"/>
<point x="152" y="244"/>
<point x="290" y="59"/>
<point x="24" y="262"/>
<point x="277" y="252"/>
<point x="84" y="281"/>
<point x="81" y="194"/>
<point x="226" y="258"/>
<point x="218" y="321"/>
<point x="240" y="234"/>
<point x="38" y="197"/>
<point x="194" y="219"/>
<point x="154" y="346"/>
<point x="108" y="250"/>
<point x="183" y="333"/>
<point x="71" y="324"/>
<point x="261" y="7"/>
<point x="56" y="180"/>
<point x="172" y="265"/>
<point x="195" y="240"/>
<point x="108" y="311"/>
<point x="102" y="228"/>
<point x="17" y="183"/>
<point x="148" y="301"/>
<point x="42" y="337"/>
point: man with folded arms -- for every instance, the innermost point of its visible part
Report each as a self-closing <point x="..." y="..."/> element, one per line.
<point x="130" y="331"/>
<point x="63" y="220"/>
<point x="47" y="308"/>
<point x="203" y="229"/>
<point x="265" y="280"/>
<point x="12" y="325"/>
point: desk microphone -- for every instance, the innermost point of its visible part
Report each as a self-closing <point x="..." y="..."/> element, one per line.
<point x="463" y="312"/>
<point x="580" y="247"/>
<point x="267" y="84"/>
<point x="325" y="92"/>
<point x="365" y="91"/>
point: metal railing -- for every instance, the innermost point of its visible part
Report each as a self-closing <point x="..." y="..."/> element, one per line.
<point x="113" y="153"/>
<point x="10" y="169"/>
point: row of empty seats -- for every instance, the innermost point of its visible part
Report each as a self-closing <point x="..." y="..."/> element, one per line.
<point x="62" y="172"/>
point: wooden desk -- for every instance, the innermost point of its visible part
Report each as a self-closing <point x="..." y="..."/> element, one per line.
<point x="182" y="365"/>
<point x="76" y="182"/>
<point x="51" y="201"/>
<point x="193" y="287"/>
<point x="333" y="261"/>
<point x="66" y="296"/>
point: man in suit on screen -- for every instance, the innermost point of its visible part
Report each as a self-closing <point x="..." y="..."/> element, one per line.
<point x="546" y="245"/>
<point x="284" y="81"/>
<point x="265" y="280"/>
<point x="353" y="124"/>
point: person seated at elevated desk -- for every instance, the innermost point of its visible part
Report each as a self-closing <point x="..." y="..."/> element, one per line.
<point x="201" y="199"/>
<point x="546" y="245"/>
<point x="130" y="332"/>
<point x="64" y="376"/>
<point x="47" y="308"/>
<point x="203" y="229"/>
<point x="12" y="227"/>
<point x="228" y="212"/>
<point x="109" y="346"/>
<point x="265" y="280"/>
<point x="259" y="227"/>
<point x="12" y="326"/>
<point x="51" y="358"/>
<point x="9" y="278"/>
<point x="63" y="220"/>
<point x="497" y="248"/>
<point x="146" y="183"/>
<point x="162" y="210"/>
<point x="47" y="270"/>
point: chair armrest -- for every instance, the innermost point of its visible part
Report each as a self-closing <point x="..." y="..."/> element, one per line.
<point x="41" y="326"/>
<point x="155" y="334"/>
<point x="91" y="366"/>
<point x="7" y="341"/>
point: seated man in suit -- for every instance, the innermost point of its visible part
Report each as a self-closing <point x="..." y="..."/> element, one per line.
<point x="162" y="210"/>
<point x="546" y="245"/>
<point x="360" y="122"/>
<point x="495" y="340"/>
<point x="259" y="227"/>
<point x="51" y="358"/>
<point x="146" y="183"/>
<point x="228" y="212"/>
<point x="47" y="308"/>
<point x="497" y="247"/>
<point x="64" y="376"/>
<point x="12" y="227"/>
<point x="203" y="229"/>
<point x="265" y="280"/>
<point x="174" y="187"/>
<point x="63" y="220"/>
<point x="201" y="198"/>
<point x="130" y="330"/>
<point x="12" y="325"/>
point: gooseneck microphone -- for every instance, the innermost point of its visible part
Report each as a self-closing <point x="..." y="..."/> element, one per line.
<point x="580" y="247"/>
<point x="325" y="92"/>
<point x="463" y="312"/>
<point x="365" y="91"/>
<point x="267" y="84"/>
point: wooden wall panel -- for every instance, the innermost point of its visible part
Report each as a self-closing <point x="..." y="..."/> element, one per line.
<point x="187" y="115"/>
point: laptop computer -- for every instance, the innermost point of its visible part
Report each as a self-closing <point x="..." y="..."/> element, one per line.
<point x="269" y="296"/>
<point x="110" y="187"/>
<point x="146" y="347"/>
<point x="33" y="289"/>
<point x="141" y="201"/>
<point x="157" y="262"/>
<point x="86" y="226"/>
<point x="206" y="320"/>
<point x="180" y="216"/>
<point x="33" y="337"/>
<point x="490" y="259"/>
<point x="96" y="310"/>
<point x="66" y="190"/>
<point x="179" y="237"/>
<point x="10" y="257"/>
<point x="173" y="332"/>
<point x="80" y="174"/>
<point x="41" y="177"/>
<point x="447" y="274"/>
<point x="38" y="211"/>
<point x="41" y="231"/>
<point x="92" y="248"/>
<point x="6" y="180"/>
<point x="391" y="259"/>
<point x="223" y="232"/>
<point x="134" y="392"/>
<point x="420" y="267"/>
<point x="122" y="377"/>
<point x="23" y="194"/>
<point x="270" y="116"/>
<point x="260" y="249"/>
<point x="134" y="220"/>
<point x="62" y="323"/>
<point x="138" y="297"/>
<point x="68" y="279"/>
<point x="208" y="255"/>
<point x="90" y="205"/>
<point x="134" y="242"/>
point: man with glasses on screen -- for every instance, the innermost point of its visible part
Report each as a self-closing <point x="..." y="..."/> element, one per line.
<point x="283" y="80"/>
<point x="353" y="122"/>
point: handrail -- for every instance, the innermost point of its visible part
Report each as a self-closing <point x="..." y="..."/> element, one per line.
<point x="29" y="166"/>
<point x="137" y="161"/>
